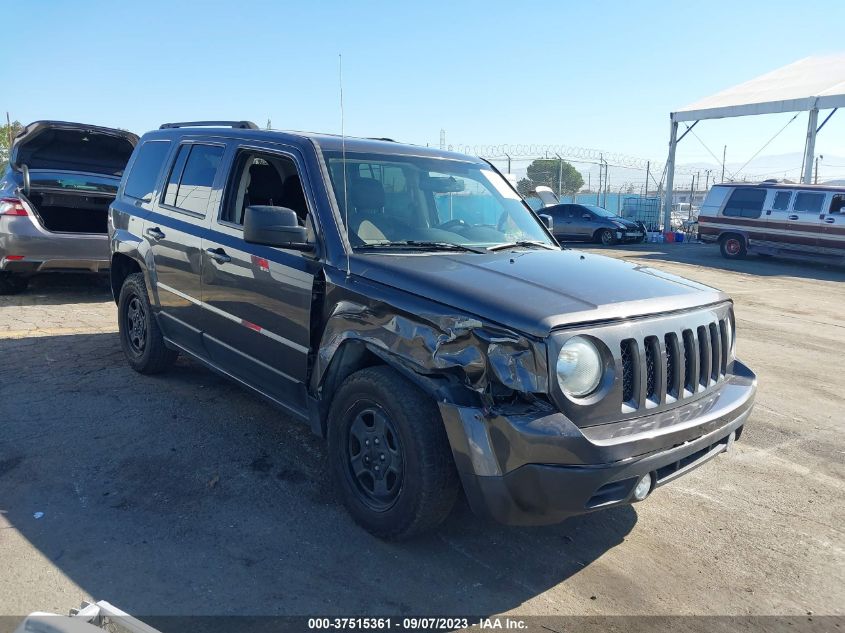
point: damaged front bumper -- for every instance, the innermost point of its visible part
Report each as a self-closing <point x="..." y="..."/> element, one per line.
<point x="538" y="467"/>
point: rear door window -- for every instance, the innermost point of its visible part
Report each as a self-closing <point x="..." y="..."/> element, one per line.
<point x="192" y="176"/>
<point x="141" y="181"/>
<point x="781" y="202"/>
<point x="808" y="202"/>
<point x="745" y="203"/>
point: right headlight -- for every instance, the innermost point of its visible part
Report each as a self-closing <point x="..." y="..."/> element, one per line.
<point x="579" y="367"/>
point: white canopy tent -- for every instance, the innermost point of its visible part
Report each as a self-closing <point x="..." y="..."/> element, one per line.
<point x="810" y="84"/>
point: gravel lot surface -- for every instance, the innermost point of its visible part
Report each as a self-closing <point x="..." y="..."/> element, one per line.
<point x="185" y="494"/>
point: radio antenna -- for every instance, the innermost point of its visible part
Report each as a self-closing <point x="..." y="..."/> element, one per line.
<point x="343" y="161"/>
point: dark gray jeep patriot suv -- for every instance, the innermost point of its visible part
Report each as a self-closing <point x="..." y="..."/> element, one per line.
<point x="408" y="305"/>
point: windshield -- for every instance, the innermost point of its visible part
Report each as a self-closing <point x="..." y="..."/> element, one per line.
<point x="600" y="211"/>
<point x="419" y="201"/>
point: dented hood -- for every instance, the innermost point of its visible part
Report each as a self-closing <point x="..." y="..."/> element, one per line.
<point x="534" y="291"/>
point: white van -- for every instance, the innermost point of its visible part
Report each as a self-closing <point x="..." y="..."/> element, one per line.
<point x="789" y="220"/>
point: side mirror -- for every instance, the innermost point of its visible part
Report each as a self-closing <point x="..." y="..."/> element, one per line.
<point x="275" y="226"/>
<point x="548" y="220"/>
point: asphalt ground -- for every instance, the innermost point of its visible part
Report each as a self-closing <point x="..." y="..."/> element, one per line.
<point x="185" y="494"/>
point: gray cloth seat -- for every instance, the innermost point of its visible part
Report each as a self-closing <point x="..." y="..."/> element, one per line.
<point x="366" y="214"/>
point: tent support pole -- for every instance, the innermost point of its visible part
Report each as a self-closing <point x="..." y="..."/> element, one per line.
<point x="810" y="149"/>
<point x="670" y="177"/>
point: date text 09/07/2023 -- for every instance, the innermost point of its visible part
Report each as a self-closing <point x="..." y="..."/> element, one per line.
<point x="417" y="624"/>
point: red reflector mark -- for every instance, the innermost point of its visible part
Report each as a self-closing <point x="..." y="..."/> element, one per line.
<point x="262" y="263"/>
<point x="250" y="325"/>
<point x="14" y="258"/>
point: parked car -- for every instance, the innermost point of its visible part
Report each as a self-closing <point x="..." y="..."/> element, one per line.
<point x="54" y="199"/>
<point x="588" y="223"/>
<point x="407" y="304"/>
<point x="787" y="220"/>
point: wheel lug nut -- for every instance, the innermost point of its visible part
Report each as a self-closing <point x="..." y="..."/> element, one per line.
<point x="381" y="457"/>
<point x="377" y="468"/>
<point x="376" y="440"/>
<point x="366" y="442"/>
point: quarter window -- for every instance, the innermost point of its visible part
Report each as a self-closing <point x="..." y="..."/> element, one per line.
<point x="745" y="203"/>
<point x="141" y="180"/>
<point x="781" y="202"/>
<point x="172" y="186"/>
<point x="806" y="202"/>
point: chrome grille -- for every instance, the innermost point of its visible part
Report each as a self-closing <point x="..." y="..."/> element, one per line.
<point x="652" y="373"/>
<point x="628" y="369"/>
<point x="659" y="362"/>
<point x="671" y="343"/>
<point x="652" y="357"/>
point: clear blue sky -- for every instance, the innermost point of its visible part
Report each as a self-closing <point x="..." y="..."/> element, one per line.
<point x="595" y="74"/>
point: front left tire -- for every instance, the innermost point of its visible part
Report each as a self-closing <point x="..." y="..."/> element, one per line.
<point x="140" y="337"/>
<point x="390" y="457"/>
<point x="606" y="237"/>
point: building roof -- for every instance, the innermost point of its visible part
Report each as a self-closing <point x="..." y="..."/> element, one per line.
<point x="810" y="83"/>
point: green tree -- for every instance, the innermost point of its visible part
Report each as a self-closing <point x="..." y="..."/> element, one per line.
<point x="554" y="173"/>
<point x="4" y="140"/>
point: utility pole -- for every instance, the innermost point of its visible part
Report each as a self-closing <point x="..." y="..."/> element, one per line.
<point x="692" y="195"/>
<point x="598" y="191"/>
<point x="724" y="154"/>
<point x="559" y="176"/>
<point x="816" y="177"/>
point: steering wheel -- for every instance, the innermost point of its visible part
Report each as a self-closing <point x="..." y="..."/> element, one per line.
<point x="452" y="223"/>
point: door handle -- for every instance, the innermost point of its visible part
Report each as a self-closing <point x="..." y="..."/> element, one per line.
<point x="830" y="220"/>
<point x="218" y="255"/>
<point x="155" y="233"/>
<point x="792" y="217"/>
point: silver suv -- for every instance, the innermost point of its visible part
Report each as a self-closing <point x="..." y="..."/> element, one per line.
<point x="54" y="199"/>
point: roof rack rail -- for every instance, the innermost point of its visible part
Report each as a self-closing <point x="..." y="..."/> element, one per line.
<point x="381" y="138"/>
<point x="241" y="125"/>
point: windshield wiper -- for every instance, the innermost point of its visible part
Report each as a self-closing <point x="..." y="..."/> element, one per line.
<point x="422" y="244"/>
<point x="524" y="244"/>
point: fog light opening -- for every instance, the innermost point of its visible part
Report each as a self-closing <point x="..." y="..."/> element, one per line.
<point x="643" y="487"/>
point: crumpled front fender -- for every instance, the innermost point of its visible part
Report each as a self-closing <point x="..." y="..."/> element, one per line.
<point x="432" y="340"/>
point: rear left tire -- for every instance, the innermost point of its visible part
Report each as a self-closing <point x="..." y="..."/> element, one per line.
<point x="733" y="246"/>
<point x="140" y="337"/>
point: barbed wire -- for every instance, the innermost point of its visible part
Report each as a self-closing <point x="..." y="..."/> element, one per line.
<point x="573" y="153"/>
